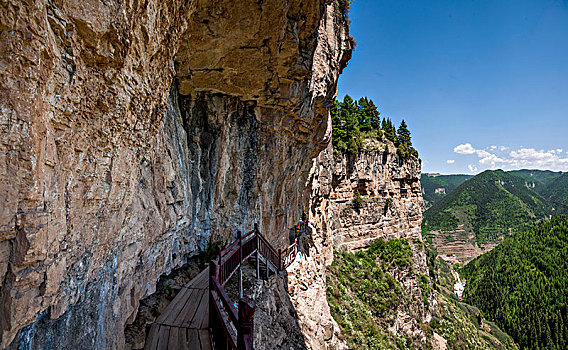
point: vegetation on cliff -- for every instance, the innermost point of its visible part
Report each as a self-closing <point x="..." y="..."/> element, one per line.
<point x="362" y="293"/>
<point x="353" y="121"/>
<point x="522" y="284"/>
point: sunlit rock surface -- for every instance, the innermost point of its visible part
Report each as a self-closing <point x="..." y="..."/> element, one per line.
<point x="133" y="133"/>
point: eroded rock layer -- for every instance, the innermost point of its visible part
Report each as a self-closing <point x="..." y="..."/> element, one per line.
<point x="134" y="133"/>
<point x="391" y="199"/>
<point x="391" y="208"/>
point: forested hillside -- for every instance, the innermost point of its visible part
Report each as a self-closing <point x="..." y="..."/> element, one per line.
<point x="447" y="183"/>
<point x="522" y="285"/>
<point x="557" y="193"/>
<point x="492" y="204"/>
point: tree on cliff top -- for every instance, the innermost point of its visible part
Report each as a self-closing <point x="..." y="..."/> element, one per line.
<point x="346" y="136"/>
<point x="403" y="135"/>
<point x="369" y="115"/>
<point x="352" y="120"/>
<point x="389" y="130"/>
<point x="404" y="142"/>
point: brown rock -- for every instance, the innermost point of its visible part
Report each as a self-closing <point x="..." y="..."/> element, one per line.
<point x="133" y="133"/>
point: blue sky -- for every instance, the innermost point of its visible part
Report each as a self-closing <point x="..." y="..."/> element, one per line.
<point x="481" y="84"/>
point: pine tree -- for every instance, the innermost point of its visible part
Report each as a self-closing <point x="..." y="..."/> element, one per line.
<point x="403" y="135"/>
<point x="350" y="115"/>
<point x="338" y="128"/>
<point x="374" y="116"/>
<point x="404" y="143"/>
<point x="389" y="130"/>
<point x="369" y="115"/>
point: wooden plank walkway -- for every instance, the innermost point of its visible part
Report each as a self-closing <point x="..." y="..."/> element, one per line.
<point x="184" y="324"/>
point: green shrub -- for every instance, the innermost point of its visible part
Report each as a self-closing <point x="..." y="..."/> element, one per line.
<point x="388" y="203"/>
<point x="357" y="200"/>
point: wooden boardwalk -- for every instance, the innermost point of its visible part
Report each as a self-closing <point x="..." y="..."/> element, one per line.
<point x="184" y="324"/>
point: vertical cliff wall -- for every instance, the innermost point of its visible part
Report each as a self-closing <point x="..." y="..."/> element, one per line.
<point x="391" y="208"/>
<point x="133" y="133"/>
<point x="391" y="204"/>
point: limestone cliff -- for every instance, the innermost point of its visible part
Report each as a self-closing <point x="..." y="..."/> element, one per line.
<point x="391" y="198"/>
<point x="133" y="133"/>
<point x="391" y="208"/>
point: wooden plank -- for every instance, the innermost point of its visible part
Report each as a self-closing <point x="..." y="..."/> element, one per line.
<point x="200" y="281"/>
<point x="199" y="314"/>
<point x="174" y="305"/>
<point x="193" y="339"/>
<point x="163" y="334"/>
<point x="152" y="338"/>
<point x="205" y="323"/>
<point x="190" y="307"/>
<point x="205" y="340"/>
<point x="183" y="339"/>
<point x="174" y="313"/>
<point x="173" y="341"/>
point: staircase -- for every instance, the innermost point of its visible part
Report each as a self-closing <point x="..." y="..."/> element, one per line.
<point x="232" y="328"/>
<point x="202" y="316"/>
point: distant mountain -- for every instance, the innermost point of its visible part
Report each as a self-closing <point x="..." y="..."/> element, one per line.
<point x="538" y="180"/>
<point x="436" y="186"/>
<point x="491" y="204"/>
<point x="521" y="285"/>
<point x="557" y="193"/>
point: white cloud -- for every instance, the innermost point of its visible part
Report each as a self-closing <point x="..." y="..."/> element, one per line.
<point x="538" y="159"/>
<point x="467" y="148"/>
<point x="523" y="157"/>
<point x="491" y="159"/>
<point x="450" y="161"/>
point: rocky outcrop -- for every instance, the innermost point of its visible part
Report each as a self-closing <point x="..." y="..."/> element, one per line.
<point x="134" y="133"/>
<point x="391" y="204"/>
<point x="391" y="208"/>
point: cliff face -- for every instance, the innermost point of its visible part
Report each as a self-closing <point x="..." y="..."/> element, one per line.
<point x="391" y="198"/>
<point x="135" y="133"/>
<point x="380" y="178"/>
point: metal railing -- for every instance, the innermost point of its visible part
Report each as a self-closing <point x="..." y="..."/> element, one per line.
<point x="232" y="329"/>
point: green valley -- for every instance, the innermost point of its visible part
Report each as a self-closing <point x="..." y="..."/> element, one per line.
<point x="480" y="212"/>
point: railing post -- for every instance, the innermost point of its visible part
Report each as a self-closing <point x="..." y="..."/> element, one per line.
<point x="257" y="255"/>
<point x="279" y="259"/>
<point x="212" y="323"/>
<point x="219" y="274"/>
<point x="267" y="267"/>
<point x="239" y="237"/>
<point x="245" y="327"/>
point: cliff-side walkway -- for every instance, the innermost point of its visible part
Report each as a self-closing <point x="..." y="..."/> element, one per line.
<point x="184" y="324"/>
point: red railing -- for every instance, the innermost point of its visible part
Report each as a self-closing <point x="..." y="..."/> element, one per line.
<point x="231" y="329"/>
